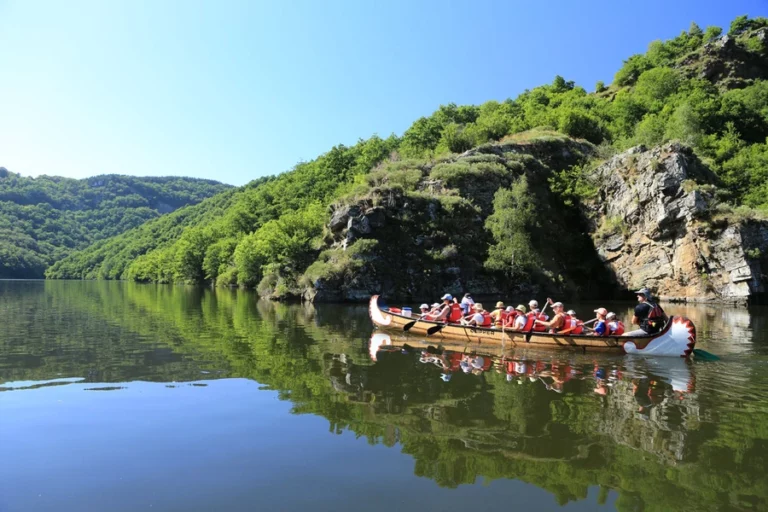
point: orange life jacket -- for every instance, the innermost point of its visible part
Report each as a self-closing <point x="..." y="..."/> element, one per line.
<point x="500" y="318"/>
<point x="455" y="315"/>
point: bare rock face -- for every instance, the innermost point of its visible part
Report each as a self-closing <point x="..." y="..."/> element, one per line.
<point x="655" y="224"/>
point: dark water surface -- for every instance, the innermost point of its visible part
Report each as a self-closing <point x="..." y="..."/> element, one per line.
<point x="124" y="397"/>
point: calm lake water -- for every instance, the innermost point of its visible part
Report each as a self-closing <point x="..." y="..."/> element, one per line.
<point x="125" y="397"/>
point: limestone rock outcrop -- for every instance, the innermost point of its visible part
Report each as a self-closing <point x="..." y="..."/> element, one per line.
<point x="657" y="222"/>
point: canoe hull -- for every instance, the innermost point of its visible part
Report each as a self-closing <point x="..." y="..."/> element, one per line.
<point x="677" y="339"/>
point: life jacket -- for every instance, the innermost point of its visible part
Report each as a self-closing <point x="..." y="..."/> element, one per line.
<point x="455" y="314"/>
<point x="539" y="327"/>
<point x="579" y="329"/>
<point x="615" y="328"/>
<point x="655" y="320"/>
<point x="529" y="318"/>
<point x="565" y="326"/>
<point x="487" y="319"/>
<point x="509" y="319"/>
<point x="500" y="318"/>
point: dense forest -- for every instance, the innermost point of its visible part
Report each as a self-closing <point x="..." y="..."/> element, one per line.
<point x="44" y="219"/>
<point x="705" y="88"/>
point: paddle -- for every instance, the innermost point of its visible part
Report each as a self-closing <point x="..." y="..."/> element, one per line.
<point x="407" y="327"/>
<point x="540" y="313"/>
<point x="584" y="325"/>
<point x="432" y="330"/>
<point x="704" y="355"/>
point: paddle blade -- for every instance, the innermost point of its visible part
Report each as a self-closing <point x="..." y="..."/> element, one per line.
<point x="407" y="327"/>
<point x="435" y="328"/>
<point x="704" y="355"/>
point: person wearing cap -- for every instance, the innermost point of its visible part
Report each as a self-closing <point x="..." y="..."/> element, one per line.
<point x="449" y="310"/>
<point x="424" y="311"/>
<point x="558" y="321"/>
<point x="600" y="327"/>
<point x="648" y="315"/>
<point x="536" y="314"/>
<point x="498" y="315"/>
<point x="615" y="326"/>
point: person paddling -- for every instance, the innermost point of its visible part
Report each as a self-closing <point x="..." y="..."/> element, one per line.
<point x="600" y="326"/>
<point x="424" y="311"/>
<point x="648" y="315"/>
<point x="533" y="315"/>
<point x="558" y="321"/>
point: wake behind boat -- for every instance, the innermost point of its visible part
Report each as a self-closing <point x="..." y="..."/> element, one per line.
<point x="676" y="339"/>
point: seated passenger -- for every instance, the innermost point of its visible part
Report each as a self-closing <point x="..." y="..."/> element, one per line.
<point x="615" y="327"/>
<point x="600" y="325"/>
<point x="573" y="324"/>
<point x="466" y="304"/>
<point x="558" y="321"/>
<point x="481" y="318"/>
<point x="509" y="317"/>
<point x="536" y="314"/>
<point x="445" y="308"/>
<point x="498" y="315"/>
<point x="423" y="311"/>
<point x="520" y="319"/>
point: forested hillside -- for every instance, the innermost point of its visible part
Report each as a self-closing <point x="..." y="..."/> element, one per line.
<point x="704" y="88"/>
<point x="44" y="219"/>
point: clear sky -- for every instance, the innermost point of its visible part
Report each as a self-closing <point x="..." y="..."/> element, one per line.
<point x="233" y="90"/>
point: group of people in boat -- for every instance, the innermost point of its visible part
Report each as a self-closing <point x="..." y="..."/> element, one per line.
<point x="648" y="316"/>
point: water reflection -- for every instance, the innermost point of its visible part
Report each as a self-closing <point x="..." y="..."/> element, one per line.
<point x="664" y="433"/>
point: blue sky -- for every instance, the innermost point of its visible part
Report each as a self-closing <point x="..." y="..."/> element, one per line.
<point x="233" y="90"/>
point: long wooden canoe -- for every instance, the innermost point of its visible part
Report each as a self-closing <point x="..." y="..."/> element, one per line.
<point x="677" y="339"/>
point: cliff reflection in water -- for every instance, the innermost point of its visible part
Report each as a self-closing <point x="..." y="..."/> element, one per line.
<point x="666" y="434"/>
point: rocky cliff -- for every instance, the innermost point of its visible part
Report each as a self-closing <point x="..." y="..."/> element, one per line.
<point x="657" y="221"/>
<point x="420" y="230"/>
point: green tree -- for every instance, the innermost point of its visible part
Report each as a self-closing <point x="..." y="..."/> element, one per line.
<point x="514" y="215"/>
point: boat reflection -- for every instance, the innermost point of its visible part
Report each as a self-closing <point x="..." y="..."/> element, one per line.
<point x="646" y="403"/>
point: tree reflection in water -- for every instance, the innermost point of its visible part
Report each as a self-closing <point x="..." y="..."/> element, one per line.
<point x="666" y="434"/>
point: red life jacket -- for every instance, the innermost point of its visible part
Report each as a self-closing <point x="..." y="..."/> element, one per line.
<point x="509" y="320"/>
<point x="579" y="329"/>
<point x="455" y="315"/>
<point x="487" y="319"/>
<point x="566" y="325"/>
<point x="618" y="331"/>
<point x="539" y="327"/>
<point x="529" y="318"/>
<point x="655" y="320"/>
